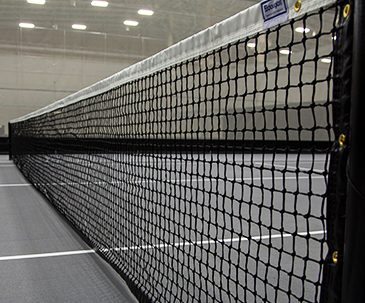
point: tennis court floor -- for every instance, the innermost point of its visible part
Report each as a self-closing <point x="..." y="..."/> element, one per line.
<point x="42" y="259"/>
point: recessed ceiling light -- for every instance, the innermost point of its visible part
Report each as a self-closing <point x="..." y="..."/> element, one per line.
<point x="251" y="44"/>
<point x="146" y="12"/>
<point x="26" y="25"/>
<point x="285" y="51"/>
<point x="99" y="3"/>
<point x="326" y="60"/>
<point x="36" y="1"/>
<point x="302" y="30"/>
<point x="79" y="26"/>
<point x="130" y="23"/>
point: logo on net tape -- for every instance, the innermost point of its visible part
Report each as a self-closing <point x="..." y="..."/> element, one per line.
<point x="272" y="9"/>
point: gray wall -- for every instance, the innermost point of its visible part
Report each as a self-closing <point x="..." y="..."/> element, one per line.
<point x="30" y="83"/>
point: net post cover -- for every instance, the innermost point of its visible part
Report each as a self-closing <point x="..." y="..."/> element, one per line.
<point x="9" y="140"/>
<point x="353" y="275"/>
<point x="208" y="179"/>
<point x="337" y="186"/>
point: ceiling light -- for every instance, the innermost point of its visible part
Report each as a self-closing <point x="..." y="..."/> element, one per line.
<point x="36" y="1"/>
<point x="79" y="26"/>
<point x="326" y="60"/>
<point x="285" y="51"/>
<point x="99" y="3"/>
<point x="130" y="23"/>
<point x="251" y="44"/>
<point x="146" y="12"/>
<point x="302" y="30"/>
<point x="26" y="25"/>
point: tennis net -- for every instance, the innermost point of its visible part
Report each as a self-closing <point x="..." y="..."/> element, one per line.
<point x="201" y="174"/>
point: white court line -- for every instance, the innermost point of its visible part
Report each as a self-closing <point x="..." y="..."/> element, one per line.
<point x="213" y="179"/>
<point x="47" y="255"/>
<point x="207" y="242"/>
<point x="154" y="246"/>
<point x="302" y="170"/>
<point x="15" y="185"/>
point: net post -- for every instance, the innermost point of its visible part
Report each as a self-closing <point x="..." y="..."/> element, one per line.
<point x="9" y="140"/>
<point x="353" y="289"/>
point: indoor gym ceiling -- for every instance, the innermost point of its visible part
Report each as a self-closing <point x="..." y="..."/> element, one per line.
<point x="106" y="38"/>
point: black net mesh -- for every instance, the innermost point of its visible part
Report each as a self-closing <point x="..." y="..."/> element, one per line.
<point x="205" y="181"/>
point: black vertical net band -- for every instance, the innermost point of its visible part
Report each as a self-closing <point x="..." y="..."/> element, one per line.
<point x="205" y="181"/>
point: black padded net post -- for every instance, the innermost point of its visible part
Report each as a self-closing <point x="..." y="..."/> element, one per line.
<point x="206" y="180"/>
